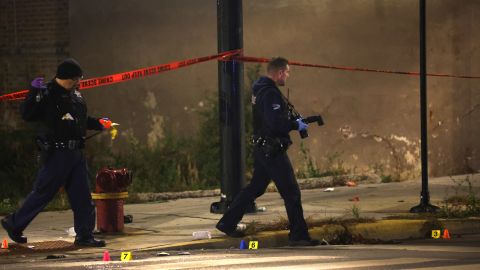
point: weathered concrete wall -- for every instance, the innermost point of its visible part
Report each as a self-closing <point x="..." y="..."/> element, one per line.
<point x="118" y="36"/>
<point x="372" y="118"/>
<point x="454" y="104"/>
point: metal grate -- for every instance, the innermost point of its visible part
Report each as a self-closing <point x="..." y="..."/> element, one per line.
<point x="37" y="247"/>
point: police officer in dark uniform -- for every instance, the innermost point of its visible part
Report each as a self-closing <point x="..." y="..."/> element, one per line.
<point x="272" y="121"/>
<point x="62" y="112"/>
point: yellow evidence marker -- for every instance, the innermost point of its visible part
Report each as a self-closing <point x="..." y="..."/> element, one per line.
<point x="253" y="245"/>
<point x="126" y="256"/>
<point x="436" y="234"/>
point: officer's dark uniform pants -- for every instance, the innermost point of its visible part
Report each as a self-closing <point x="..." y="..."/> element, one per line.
<point x="66" y="168"/>
<point x="280" y="170"/>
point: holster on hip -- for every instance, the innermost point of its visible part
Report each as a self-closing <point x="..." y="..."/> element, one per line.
<point x="44" y="150"/>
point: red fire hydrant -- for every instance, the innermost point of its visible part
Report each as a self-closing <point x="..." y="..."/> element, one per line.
<point x="110" y="194"/>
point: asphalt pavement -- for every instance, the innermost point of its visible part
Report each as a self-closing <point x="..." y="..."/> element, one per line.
<point x="458" y="253"/>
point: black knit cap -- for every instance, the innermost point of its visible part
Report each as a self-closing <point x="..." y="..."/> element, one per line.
<point x="69" y="69"/>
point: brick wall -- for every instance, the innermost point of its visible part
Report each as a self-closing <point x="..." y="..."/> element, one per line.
<point x="34" y="37"/>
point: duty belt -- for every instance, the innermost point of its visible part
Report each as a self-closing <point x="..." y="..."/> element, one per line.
<point x="70" y="144"/>
<point x="264" y="140"/>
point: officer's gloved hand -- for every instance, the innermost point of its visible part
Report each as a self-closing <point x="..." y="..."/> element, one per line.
<point x="38" y="83"/>
<point x="301" y="125"/>
<point x="106" y="122"/>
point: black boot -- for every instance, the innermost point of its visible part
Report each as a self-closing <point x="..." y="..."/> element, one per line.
<point x="15" y="236"/>
<point x="230" y="232"/>
<point x="88" y="242"/>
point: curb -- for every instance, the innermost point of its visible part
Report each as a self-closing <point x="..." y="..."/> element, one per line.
<point x="378" y="231"/>
<point x="304" y="184"/>
<point x="403" y="229"/>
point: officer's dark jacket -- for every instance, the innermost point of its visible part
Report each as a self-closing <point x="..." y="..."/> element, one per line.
<point x="270" y="111"/>
<point x="62" y="113"/>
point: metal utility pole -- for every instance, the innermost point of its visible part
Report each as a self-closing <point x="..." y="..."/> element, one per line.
<point x="424" y="205"/>
<point x="230" y="92"/>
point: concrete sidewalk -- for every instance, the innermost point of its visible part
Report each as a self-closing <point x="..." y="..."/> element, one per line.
<point x="169" y="225"/>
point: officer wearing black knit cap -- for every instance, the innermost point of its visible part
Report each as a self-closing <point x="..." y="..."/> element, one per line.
<point x="69" y="69"/>
<point x="62" y="112"/>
